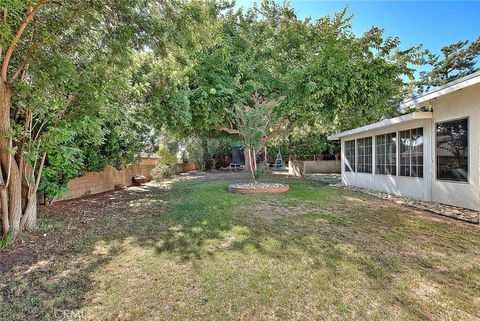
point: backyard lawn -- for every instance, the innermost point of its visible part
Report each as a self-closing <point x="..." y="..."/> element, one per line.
<point x="189" y="249"/>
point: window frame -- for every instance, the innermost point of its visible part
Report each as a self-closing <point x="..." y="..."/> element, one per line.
<point x="399" y="146"/>
<point x="468" y="145"/>
<point x="351" y="169"/>
<point x="357" y="162"/>
<point x="385" y="144"/>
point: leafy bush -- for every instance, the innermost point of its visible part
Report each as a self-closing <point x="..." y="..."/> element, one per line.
<point x="163" y="171"/>
<point x="260" y="172"/>
<point x="218" y="150"/>
<point x="87" y="145"/>
<point x="301" y="144"/>
<point x="166" y="156"/>
<point x="206" y="153"/>
<point x="165" y="167"/>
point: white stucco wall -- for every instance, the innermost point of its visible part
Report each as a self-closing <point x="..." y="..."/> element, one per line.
<point x="460" y="104"/>
<point x="415" y="187"/>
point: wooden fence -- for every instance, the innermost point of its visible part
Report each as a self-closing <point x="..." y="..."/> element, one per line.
<point x="104" y="181"/>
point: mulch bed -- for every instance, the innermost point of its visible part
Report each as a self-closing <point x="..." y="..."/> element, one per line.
<point x="76" y="217"/>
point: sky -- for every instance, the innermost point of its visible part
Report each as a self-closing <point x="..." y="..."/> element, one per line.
<point x="431" y="23"/>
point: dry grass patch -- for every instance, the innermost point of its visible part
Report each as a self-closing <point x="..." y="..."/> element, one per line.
<point x="189" y="250"/>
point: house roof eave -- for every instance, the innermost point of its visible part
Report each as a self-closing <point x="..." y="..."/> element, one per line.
<point x="425" y="98"/>
<point x="382" y="124"/>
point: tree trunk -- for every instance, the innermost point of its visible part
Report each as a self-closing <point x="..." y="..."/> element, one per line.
<point x="7" y="161"/>
<point x="246" y="155"/>
<point x="250" y="162"/>
<point x="29" y="219"/>
<point x="4" y="206"/>
<point x="15" y="197"/>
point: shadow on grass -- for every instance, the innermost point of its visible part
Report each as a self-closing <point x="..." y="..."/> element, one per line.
<point x="44" y="275"/>
<point x="197" y="219"/>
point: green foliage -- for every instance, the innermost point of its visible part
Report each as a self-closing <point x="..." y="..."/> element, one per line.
<point x="64" y="162"/>
<point x="166" y="156"/>
<point x="79" y="85"/>
<point x="260" y="172"/>
<point x="303" y="143"/>
<point x="209" y="153"/>
<point x="457" y="60"/>
<point x="217" y="151"/>
<point x="6" y="240"/>
<point x="328" y="76"/>
<point x="120" y="145"/>
<point x="254" y="122"/>
<point x="163" y="171"/>
<point x="165" y="167"/>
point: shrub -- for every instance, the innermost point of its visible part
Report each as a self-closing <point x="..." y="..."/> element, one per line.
<point x="206" y="153"/>
<point x="166" y="156"/>
<point x="217" y="151"/>
<point x="163" y="171"/>
<point x="165" y="167"/>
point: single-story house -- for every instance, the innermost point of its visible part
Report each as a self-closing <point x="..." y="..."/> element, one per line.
<point x="432" y="156"/>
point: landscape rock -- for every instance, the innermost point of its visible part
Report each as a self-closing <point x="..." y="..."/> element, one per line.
<point x="458" y="213"/>
<point x="120" y="186"/>
<point x="139" y="180"/>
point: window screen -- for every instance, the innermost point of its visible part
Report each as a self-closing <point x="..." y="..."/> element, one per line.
<point x="452" y="150"/>
<point x="411" y="152"/>
<point x="364" y="158"/>
<point x="350" y="156"/>
<point x="386" y="154"/>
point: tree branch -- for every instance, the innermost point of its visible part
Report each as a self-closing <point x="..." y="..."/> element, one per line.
<point x="275" y="131"/>
<point x="22" y="66"/>
<point x="4" y="18"/>
<point x="27" y="131"/>
<point x="230" y="131"/>
<point x="40" y="169"/>
<point x="16" y="39"/>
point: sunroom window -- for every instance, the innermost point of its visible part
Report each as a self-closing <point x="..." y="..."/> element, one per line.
<point x="386" y="154"/>
<point x="411" y="152"/>
<point x="364" y="158"/>
<point x="452" y="150"/>
<point x="350" y="156"/>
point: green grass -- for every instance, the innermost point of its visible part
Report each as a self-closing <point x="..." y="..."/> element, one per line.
<point x="196" y="251"/>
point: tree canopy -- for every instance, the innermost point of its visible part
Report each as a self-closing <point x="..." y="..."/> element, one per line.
<point x="322" y="72"/>
<point x="65" y="92"/>
<point x="456" y="60"/>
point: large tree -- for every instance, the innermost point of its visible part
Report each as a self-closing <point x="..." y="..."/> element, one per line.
<point x="456" y="60"/>
<point x="65" y="71"/>
<point x="316" y="72"/>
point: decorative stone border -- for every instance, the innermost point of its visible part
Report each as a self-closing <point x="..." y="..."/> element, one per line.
<point x="259" y="188"/>
<point x="458" y="213"/>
